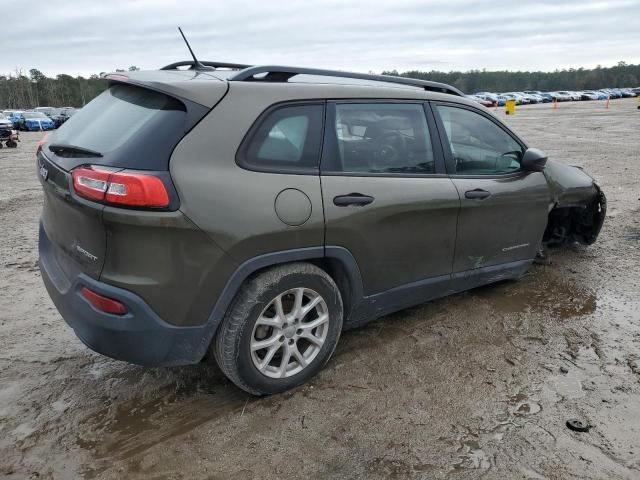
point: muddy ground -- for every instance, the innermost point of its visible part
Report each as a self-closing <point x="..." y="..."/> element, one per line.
<point x="478" y="385"/>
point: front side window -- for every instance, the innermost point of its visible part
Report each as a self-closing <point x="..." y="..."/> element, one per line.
<point x="478" y="145"/>
<point x="384" y="138"/>
<point x="287" y="138"/>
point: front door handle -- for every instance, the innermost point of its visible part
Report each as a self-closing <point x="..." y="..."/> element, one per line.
<point x="477" y="194"/>
<point x="356" y="199"/>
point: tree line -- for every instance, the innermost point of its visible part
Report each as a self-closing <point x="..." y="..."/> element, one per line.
<point x="620" y="76"/>
<point x="33" y="89"/>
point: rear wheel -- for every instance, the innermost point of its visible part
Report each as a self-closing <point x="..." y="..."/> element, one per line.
<point x="280" y="330"/>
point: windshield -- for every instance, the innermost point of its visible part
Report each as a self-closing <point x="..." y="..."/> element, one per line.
<point x="34" y="115"/>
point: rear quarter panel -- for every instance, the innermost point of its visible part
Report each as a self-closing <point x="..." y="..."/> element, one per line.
<point x="234" y="206"/>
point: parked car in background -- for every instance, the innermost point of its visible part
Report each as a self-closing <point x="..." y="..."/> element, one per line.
<point x="520" y="100"/>
<point x="34" y="121"/>
<point x="543" y="97"/>
<point x="539" y="98"/>
<point x="528" y="97"/>
<point x="480" y="100"/>
<point x="589" y="95"/>
<point x="5" y="122"/>
<point x="8" y="134"/>
<point x="488" y="96"/>
<point x="46" y="110"/>
<point x="13" y="115"/>
<point x="502" y="100"/>
<point x="68" y="111"/>
<point x="59" y="116"/>
<point x="562" y="96"/>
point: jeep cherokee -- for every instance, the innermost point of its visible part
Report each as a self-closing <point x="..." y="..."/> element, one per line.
<point x="256" y="212"/>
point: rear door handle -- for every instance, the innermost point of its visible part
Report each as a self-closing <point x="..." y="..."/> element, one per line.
<point x="477" y="194"/>
<point x="356" y="199"/>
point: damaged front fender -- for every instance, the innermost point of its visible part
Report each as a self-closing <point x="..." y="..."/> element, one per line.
<point x="578" y="206"/>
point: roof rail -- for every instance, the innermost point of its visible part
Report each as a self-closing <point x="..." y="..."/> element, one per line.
<point x="192" y="64"/>
<point x="275" y="73"/>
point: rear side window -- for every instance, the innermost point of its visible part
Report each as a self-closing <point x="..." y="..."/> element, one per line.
<point x="285" y="139"/>
<point x="130" y="126"/>
<point x="382" y="138"/>
<point x="478" y="145"/>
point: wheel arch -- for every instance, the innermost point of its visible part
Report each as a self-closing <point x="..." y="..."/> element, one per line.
<point x="338" y="262"/>
<point x="578" y="222"/>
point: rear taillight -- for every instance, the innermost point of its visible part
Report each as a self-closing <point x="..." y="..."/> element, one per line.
<point x="41" y="143"/>
<point x="123" y="188"/>
<point x="102" y="303"/>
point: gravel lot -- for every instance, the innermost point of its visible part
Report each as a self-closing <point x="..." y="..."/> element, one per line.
<point x="476" y="385"/>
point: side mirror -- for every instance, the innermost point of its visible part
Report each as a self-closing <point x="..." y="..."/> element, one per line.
<point x="534" y="160"/>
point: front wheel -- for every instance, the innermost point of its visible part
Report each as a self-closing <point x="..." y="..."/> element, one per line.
<point x="281" y="329"/>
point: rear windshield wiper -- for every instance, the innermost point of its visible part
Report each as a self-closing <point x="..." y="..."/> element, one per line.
<point x="65" y="150"/>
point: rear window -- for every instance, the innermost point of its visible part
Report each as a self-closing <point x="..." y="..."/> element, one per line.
<point x="130" y="126"/>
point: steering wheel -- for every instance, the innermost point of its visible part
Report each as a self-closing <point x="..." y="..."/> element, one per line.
<point x="390" y="150"/>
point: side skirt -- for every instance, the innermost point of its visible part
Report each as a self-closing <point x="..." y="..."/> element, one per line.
<point x="378" y="305"/>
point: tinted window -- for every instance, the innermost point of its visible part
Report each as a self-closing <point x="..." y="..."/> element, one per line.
<point x="133" y="127"/>
<point x="478" y="145"/>
<point x="379" y="138"/>
<point x="287" y="138"/>
<point x="114" y="117"/>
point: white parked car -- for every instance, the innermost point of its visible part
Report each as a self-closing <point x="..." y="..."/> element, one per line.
<point x="589" y="95"/>
<point x="562" y="96"/>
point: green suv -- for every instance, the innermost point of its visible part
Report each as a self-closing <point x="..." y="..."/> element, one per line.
<point x="253" y="213"/>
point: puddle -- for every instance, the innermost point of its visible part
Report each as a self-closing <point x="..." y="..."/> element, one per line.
<point x="521" y="405"/>
<point x="526" y="408"/>
<point x="540" y="293"/>
<point x="135" y="426"/>
<point x="125" y="429"/>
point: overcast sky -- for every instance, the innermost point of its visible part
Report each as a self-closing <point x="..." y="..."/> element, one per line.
<point x="90" y="36"/>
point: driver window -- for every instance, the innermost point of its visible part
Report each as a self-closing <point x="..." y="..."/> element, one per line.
<point x="382" y="138"/>
<point x="478" y="145"/>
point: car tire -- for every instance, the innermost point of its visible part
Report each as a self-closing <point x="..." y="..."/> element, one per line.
<point x="265" y="312"/>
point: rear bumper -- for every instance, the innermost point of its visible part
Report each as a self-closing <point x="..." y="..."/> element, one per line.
<point x="139" y="337"/>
